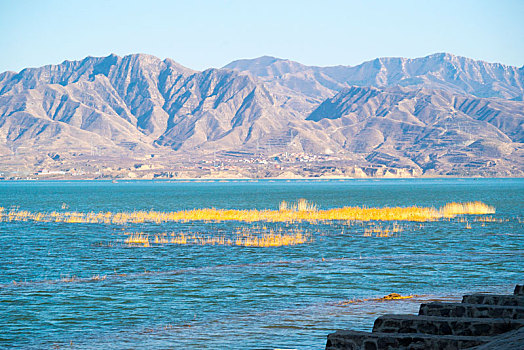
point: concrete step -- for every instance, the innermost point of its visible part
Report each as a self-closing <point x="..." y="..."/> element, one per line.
<point x="519" y="289"/>
<point x="471" y="310"/>
<point x="460" y="326"/>
<point x="356" y="340"/>
<point x="494" y="299"/>
<point x="513" y="340"/>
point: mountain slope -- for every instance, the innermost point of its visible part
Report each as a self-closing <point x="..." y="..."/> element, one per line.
<point x="136" y="100"/>
<point x="424" y="128"/>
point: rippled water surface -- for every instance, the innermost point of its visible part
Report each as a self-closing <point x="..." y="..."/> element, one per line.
<point x="80" y="286"/>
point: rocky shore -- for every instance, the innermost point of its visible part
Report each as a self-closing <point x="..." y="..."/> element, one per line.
<point x="481" y="322"/>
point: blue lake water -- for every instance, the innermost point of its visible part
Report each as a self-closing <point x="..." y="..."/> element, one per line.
<point x="234" y="297"/>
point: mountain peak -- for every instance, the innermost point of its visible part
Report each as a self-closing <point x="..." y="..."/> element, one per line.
<point x="267" y="66"/>
<point x="261" y="61"/>
<point x="141" y="57"/>
<point x="443" y="55"/>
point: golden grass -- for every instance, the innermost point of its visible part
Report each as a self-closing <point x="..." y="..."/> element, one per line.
<point x="490" y="219"/>
<point x="270" y="239"/>
<point x="98" y="278"/>
<point x="379" y="231"/>
<point x="300" y="211"/>
<point x="391" y="296"/>
<point x="395" y="296"/>
<point x="475" y="208"/>
<point x="138" y="238"/>
<point x="69" y="279"/>
<point x="301" y="205"/>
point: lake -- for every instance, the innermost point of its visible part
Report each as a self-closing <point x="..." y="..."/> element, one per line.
<point x="83" y="285"/>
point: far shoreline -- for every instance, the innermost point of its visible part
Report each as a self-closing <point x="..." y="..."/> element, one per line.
<point x="271" y="179"/>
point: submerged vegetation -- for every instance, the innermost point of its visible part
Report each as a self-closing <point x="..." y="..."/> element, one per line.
<point x="391" y="296"/>
<point x="294" y="212"/>
<point x="380" y="231"/>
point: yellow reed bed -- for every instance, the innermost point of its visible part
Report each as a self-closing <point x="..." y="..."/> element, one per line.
<point x="475" y="208"/>
<point x="302" y="211"/>
<point x="391" y="296"/>
<point x="245" y="240"/>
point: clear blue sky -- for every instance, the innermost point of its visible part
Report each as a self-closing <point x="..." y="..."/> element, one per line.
<point x="201" y="34"/>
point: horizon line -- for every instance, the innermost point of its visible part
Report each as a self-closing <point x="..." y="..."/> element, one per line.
<point x="258" y="57"/>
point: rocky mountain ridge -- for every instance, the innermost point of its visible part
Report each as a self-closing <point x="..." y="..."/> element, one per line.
<point x="436" y="115"/>
<point x="438" y="71"/>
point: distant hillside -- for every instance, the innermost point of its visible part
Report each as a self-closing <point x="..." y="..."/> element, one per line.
<point x="440" y="114"/>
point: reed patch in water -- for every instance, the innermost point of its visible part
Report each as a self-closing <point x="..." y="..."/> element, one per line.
<point x="380" y="231"/>
<point x="473" y="208"/>
<point x="391" y="296"/>
<point x="301" y="205"/>
<point x="270" y="239"/>
<point x="298" y="212"/>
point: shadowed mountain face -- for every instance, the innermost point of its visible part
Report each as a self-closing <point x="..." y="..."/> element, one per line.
<point x="422" y="127"/>
<point x="439" y="114"/>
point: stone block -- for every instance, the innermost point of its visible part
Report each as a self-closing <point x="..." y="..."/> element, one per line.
<point x="494" y="299"/>
<point x="356" y="340"/>
<point x="519" y="289"/>
<point x="460" y="326"/>
<point x="471" y="310"/>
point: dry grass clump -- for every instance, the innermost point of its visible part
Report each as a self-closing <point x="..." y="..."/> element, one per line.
<point x="490" y="219"/>
<point x="474" y="208"/>
<point x="394" y="296"/>
<point x="391" y="296"/>
<point x="138" y="239"/>
<point x="270" y="239"/>
<point x="301" y="205"/>
<point x="98" y="278"/>
<point x="379" y="231"/>
<point x="69" y="279"/>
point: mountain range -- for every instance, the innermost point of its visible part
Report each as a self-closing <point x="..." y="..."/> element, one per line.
<point x="436" y="115"/>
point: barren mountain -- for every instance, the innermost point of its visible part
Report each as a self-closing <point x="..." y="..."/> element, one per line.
<point x="427" y="129"/>
<point x="440" y="114"/>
